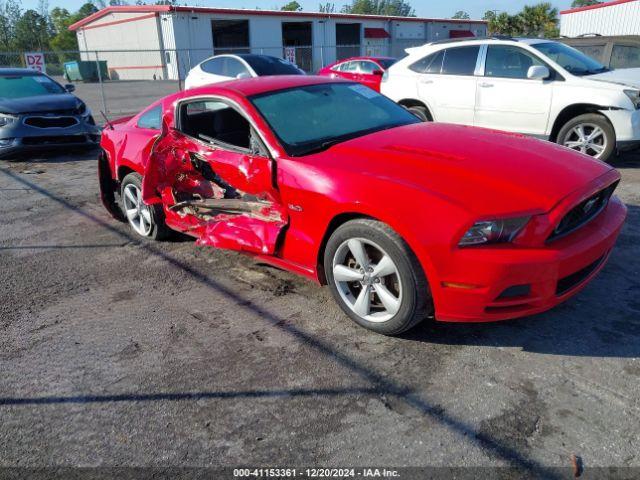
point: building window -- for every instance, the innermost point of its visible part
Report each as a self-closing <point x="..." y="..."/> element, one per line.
<point x="230" y="36"/>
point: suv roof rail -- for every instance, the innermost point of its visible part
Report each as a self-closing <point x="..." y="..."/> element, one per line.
<point x="470" y="39"/>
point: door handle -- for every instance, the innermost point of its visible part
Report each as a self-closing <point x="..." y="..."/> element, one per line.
<point x="426" y="81"/>
<point x="486" y="85"/>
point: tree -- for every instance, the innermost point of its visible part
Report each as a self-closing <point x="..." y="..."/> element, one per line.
<point x="292" y="7"/>
<point x="461" y="15"/>
<point x="61" y="19"/>
<point x="10" y="13"/>
<point x="394" y="8"/>
<point x="584" y="3"/>
<point x="31" y="32"/>
<point x="538" y="20"/>
<point x="327" y="7"/>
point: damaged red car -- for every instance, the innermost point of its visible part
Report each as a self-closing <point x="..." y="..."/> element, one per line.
<point x="403" y="220"/>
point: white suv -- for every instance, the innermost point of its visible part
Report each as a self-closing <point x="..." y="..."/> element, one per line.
<point x="533" y="86"/>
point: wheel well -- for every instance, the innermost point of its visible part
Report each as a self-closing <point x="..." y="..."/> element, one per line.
<point x="123" y="172"/>
<point x="408" y="103"/>
<point x="570" y="112"/>
<point x="335" y="222"/>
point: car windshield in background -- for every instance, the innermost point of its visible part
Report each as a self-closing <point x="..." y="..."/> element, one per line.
<point x="313" y="118"/>
<point x="264" y="66"/>
<point x="572" y="60"/>
<point x="386" y="62"/>
<point x="19" y="86"/>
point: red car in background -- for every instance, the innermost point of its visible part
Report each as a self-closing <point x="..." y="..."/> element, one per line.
<point x="402" y="219"/>
<point x="365" y="70"/>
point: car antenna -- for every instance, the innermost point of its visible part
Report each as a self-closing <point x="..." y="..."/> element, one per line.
<point x="106" y="119"/>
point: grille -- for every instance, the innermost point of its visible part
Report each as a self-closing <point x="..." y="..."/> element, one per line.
<point x="583" y="213"/>
<point x="54" y="140"/>
<point x="569" y="282"/>
<point x="51" y="122"/>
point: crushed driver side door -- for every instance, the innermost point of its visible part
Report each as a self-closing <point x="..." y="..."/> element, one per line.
<point x="215" y="179"/>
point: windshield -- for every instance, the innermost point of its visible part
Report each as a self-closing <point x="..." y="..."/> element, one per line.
<point x="265" y="65"/>
<point x="19" y="86"/>
<point x="572" y="60"/>
<point x="313" y="118"/>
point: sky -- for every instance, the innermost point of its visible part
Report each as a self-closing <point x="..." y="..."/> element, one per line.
<point x="424" y="8"/>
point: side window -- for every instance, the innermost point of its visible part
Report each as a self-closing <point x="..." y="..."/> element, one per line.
<point x="214" y="66"/>
<point x="234" y="67"/>
<point x="151" y="119"/>
<point x="340" y="67"/>
<point x="625" y="56"/>
<point x="509" y="62"/>
<point x="593" y="51"/>
<point x="350" y="67"/>
<point x="367" y="67"/>
<point x="460" y="61"/>
<point x="215" y="122"/>
<point x="429" y="64"/>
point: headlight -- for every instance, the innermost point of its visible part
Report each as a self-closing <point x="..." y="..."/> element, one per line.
<point x="6" y="119"/>
<point x="634" y="96"/>
<point x="493" y="231"/>
<point x="81" y="108"/>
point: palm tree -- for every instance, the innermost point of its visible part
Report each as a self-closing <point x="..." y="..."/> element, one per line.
<point x="538" y="20"/>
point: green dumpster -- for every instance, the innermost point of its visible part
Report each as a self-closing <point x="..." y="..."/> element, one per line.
<point x="85" y="71"/>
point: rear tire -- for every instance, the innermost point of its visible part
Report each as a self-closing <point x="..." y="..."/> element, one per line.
<point x="421" y="112"/>
<point x="389" y="294"/>
<point x="591" y="134"/>
<point x="146" y="221"/>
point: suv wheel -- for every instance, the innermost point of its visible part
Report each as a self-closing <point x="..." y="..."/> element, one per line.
<point x="375" y="277"/>
<point x="421" y="112"/>
<point x="591" y="134"/>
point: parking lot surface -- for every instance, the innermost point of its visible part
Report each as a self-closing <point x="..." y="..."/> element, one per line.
<point x="120" y="352"/>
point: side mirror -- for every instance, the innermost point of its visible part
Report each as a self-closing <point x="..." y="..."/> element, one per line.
<point x="242" y="75"/>
<point x="378" y="73"/>
<point x="538" y="72"/>
<point x="70" y="88"/>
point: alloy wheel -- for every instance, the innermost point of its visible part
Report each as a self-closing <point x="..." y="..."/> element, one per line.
<point x="587" y="138"/>
<point x="137" y="212"/>
<point x="367" y="280"/>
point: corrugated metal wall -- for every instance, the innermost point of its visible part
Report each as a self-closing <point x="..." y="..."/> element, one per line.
<point x="621" y="19"/>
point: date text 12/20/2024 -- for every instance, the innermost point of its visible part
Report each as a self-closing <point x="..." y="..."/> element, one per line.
<point x="315" y="473"/>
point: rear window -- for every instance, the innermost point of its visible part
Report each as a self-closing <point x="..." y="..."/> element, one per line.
<point x="460" y="61"/>
<point x="265" y="65"/>
<point x="19" y="86"/>
<point x="429" y="64"/>
<point x="386" y="62"/>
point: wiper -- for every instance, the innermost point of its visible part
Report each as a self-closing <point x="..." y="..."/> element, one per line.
<point x="320" y="148"/>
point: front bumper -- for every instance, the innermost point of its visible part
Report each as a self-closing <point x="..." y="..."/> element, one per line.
<point x="474" y="289"/>
<point x="19" y="138"/>
<point x="626" y="124"/>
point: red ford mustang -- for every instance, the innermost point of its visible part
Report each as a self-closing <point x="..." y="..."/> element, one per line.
<point x="403" y="220"/>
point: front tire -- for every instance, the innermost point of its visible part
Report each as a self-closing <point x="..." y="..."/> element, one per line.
<point x="591" y="134"/>
<point x="146" y="221"/>
<point x="376" y="278"/>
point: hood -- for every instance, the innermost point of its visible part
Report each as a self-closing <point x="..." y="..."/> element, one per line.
<point x="629" y="77"/>
<point x="39" y="103"/>
<point x="488" y="172"/>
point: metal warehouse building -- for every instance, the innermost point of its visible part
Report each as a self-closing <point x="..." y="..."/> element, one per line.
<point x="169" y="40"/>
<point x="621" y="17"/>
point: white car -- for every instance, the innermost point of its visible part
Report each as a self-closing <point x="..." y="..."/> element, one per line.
<point x="533" y="86"/>
<point x="222" y="68"/>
